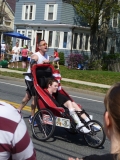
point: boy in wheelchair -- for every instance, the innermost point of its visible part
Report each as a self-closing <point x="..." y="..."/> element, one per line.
<point x="75" y="111"/>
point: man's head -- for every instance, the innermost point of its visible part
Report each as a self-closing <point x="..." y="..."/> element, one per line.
<point x="42" y="45"/>
<point x="17" y="44"/>
<point x="52" y="85"/>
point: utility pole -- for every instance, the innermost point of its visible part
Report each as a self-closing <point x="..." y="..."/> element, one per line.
<point x="1" y="17"/>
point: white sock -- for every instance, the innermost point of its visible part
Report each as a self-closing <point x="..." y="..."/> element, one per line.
<point x="87" y="119"/>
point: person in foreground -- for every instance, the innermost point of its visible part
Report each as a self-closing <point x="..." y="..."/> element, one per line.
<point x="111" y="125"/>
<point x="15" y="142"/>
<point x="62" y="100"/>
<point x="39" y="57"/>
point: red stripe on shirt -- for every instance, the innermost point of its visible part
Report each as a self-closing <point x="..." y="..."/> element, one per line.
<point x="22" y="144"/>
<point x="5" y="147"/>
<point x="10" y="125"/>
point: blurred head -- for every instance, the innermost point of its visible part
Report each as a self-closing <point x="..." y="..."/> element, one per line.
<point x="112" y="110"/>
<point x="55" y="50"/>
<point x="42" y="45"/>
<point x="52" y="85"/>
<point x="17" y="44"/>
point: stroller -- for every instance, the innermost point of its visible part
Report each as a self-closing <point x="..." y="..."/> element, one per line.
<point x="49" y="115"/>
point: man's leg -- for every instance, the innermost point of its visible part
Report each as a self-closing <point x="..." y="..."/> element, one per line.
<point x="24" y="101"/>
<point x="33" y="106"/>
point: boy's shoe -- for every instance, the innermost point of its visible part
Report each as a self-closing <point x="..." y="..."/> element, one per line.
<point x="83" y="129"/>
<point x="30" y="121"/>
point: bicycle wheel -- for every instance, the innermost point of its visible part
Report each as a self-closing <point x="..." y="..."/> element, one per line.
<point x="45" y="124"/>
<point x="96" y="137"/>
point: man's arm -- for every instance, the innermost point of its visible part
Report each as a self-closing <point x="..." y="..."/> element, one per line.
<point x="22" y="144"/>
<point x="34" y="59"/>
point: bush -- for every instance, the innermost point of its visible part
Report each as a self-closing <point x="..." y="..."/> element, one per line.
<point x="74" y="59"/>
<point x="62" y="59"/>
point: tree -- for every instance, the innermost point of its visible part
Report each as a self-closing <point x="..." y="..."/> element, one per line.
<point x="97" y="14"/>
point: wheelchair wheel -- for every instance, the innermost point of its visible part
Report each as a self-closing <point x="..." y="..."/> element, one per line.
<point x="96" y="137"/>
<point x="45" y="127"/>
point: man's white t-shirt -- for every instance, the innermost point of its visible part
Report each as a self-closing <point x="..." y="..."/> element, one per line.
<point x="16" y="50"/>
<point x="41" y="58"/>
<point x="3" y="46"/>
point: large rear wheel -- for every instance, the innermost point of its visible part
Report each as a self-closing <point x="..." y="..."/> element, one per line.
<point x="45" y="121"/>
<point x="96" y="137"/>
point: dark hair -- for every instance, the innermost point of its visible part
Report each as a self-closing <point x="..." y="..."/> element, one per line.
<point x="50" y="81"/>
<point x="55" y="50"/>
<point x="112" y="105"/>
<point x="40" y="41"/>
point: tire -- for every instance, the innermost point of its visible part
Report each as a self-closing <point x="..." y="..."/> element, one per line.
<point x="96" y="138"/>
<point x="45" y="124"/>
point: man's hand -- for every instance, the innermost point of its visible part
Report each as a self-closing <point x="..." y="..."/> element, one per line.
<point x="46" y="61"/>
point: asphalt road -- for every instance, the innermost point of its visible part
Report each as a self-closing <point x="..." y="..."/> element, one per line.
<point x="62" y="144"/>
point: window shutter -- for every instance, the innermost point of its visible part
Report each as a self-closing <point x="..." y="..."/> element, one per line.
<point x="55" y="12"/>
<point x="23" y="12"/>
<point x="34" y="12"/>
<point x="46" y="12"/>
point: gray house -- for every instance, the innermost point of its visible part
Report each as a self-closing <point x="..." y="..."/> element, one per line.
<point x="56" y="22"/>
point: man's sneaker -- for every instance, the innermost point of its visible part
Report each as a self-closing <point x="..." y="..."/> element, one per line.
<point x="30" y="121"/>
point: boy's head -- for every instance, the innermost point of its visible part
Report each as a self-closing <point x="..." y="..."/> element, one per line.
<point x="52" y="85"/>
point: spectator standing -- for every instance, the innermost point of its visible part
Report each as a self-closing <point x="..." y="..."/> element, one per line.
<point x="3" y="50"/>
<point x="24" y="56"/>
<point x="56" y="58"/>
<point x="15" y="142"/>
<point x="111" y="125"/>
<point x="16" y="53"/>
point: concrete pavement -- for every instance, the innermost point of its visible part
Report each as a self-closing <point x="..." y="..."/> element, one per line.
<point x="63" y="79"/>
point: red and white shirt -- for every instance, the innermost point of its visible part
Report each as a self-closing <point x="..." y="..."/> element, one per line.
<point x="15" y="142"/>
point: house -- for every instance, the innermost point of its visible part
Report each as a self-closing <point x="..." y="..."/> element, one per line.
<point x="7" y="17"/>
<point x="56" y="22"/>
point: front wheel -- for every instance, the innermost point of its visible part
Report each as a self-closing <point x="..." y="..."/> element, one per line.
<point x="96" y="137"/>
<point x="45" y="127"/>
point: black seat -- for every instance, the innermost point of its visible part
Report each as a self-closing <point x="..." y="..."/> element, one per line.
<point x="43" y="74"/>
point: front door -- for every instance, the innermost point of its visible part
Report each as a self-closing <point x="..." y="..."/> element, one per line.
<point x="38" y="38"/>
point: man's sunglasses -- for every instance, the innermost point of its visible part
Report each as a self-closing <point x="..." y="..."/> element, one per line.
<point x="44" y="44"/>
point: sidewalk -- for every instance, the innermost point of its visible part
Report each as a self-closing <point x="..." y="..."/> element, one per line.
<point x="64" y="79"/>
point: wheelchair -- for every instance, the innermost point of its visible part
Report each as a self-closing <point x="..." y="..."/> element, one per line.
<point x="49" y="115"/>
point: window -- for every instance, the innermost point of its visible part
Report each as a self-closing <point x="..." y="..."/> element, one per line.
<point x="50" y="39"/>
<point x="65" y="40"/>
<point x="29" y="41"/>
<point x="28" y="11"/>
<point x="21" y="41"/>
<point x="75" y="41"/>
<point x="105" y="46"/>
<point x="50" y="12"/>
<point x="115" y="20"/>
<point x="81" y="39"/>
<point x="57" y="39"/>
<point x="86" y="42"/>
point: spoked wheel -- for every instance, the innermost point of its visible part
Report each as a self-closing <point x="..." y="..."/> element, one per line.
<point x="45" y="124"/>
<point x="96" y="137"/>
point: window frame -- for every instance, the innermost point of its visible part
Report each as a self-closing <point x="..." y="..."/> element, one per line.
<point x="28" y="12"/>
<point x="55" y="9"/>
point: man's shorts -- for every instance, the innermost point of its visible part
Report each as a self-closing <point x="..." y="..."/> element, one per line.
<point x="24" y="59"/>
<point x="56" y="59"/>
<point x="30" y="87"/>
<point x="15" y="57"/>
<point x="3" y="51"/>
